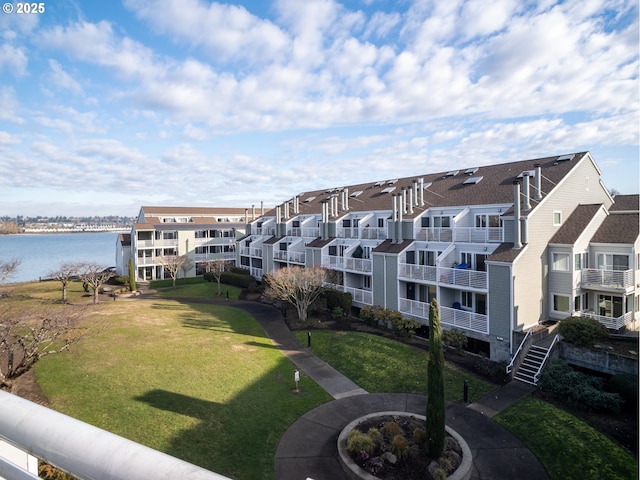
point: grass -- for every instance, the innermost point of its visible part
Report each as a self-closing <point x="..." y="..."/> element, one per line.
<point x="380" y="364"/>
<point x="200" y="382"/>
<point x="568" y="448"/>
<point x="201" y="290"/>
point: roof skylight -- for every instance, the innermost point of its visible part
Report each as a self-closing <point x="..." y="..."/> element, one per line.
<point x="388" y="190"/>
<point x="472" y="180"/>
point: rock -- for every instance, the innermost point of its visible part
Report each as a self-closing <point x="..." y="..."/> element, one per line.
<point x="390" y="458"/>
<point x="433" y="466"/>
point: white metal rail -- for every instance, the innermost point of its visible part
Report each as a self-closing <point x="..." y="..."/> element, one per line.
<point x="83" y="450"/>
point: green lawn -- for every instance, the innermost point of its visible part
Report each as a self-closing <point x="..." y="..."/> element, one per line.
<point x="200" y="382"/>
<point x="201" y="290"/>
<point x="568" y="448"/>
<point x="379" y="364"/>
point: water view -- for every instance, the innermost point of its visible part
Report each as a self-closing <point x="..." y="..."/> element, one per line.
<point x="39" y="254"/>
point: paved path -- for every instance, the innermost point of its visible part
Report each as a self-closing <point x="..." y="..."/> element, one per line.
<point x="308" y="449"/>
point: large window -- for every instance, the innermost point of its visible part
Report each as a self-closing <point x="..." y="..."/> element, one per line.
<point x="484" y="221"/>
<point x="561" y="303"/>
<point x="560" y="262"/>
<point x="607" y="261"/>
<point x="609" y="306"/>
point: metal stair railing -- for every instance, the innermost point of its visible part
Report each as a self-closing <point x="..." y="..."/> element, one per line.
<point x="544" y="360"/>
<point x="510" y="367"/>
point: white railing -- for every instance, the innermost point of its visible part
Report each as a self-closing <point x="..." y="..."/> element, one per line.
<point x="358" y="295"/>
<point x="303" y="232"/>
<point x="333" y="261"/>
<point x="244" y="251"/>
<point x="612" y="323"/>
<point x="358" y="264"/>
<point x="454" y="317"/>
<point x="607" y="278"/>
<point x="460" y="234"/>
<point x="370" y="233"/>
<point x="418" y="272"/>
<point x="203" y="257"/>
<point x="348" y="232"/>
<point x="463" y="277"/>
<point x="556" y="339"/>
<point x="256" y="272"/>
<point x="82" y="450"/>
<point x="285" y="255"/>
<point x="515" y="355"/>
<point x="146" y="261"/>
<point x="144" y="243"/>
<point x="265" y="231"/>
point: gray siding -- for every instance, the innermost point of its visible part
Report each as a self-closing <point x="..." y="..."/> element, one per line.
<point x="378" y="279"/>
<point x="499" y="296"/>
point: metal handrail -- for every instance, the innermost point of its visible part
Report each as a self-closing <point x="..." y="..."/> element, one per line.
<point x="515" y="356"/>
<point x="85" y="451"/>
<point x="544" y="360"/>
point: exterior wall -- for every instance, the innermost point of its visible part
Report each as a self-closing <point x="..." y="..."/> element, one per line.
<point x="531" y="269"/>
<point x="378" y="285"/>
<point x="561" y="282"/>
<point x="499" y="300"/>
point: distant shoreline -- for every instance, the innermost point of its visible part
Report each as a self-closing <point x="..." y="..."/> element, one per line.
<point x="50" y="232"/>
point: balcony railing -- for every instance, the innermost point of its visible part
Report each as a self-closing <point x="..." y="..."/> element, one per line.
<point x="265" y="231"/>
<point x="450" y="276"/>
<point x="621" y="279"/>
<point x="256" y="272"/>
<point x="82" y="450"/>
<point x="286" y="256"/>
<point x="460" y="234"/>
<point x="358" y="295"/>
<point x="453" y="317"/>
<point x="333" y="261"/>
<point x="203" y="257"/>
<point x="612" y="323"/>
<point x="373" y="233"/>
<point x="348" y="232"/>
<point x="358" y="264"/>
<point x="303" y="232"/>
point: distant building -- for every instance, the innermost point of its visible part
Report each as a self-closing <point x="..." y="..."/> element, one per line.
<point x="502" y="247"/>
<point x="200" y="233"/>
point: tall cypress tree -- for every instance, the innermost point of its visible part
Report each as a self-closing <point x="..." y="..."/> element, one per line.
<point x="435" y="385"/>
<point x="132" y="278"/>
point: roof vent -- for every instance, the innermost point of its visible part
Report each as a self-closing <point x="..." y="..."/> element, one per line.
<point x="472" y="180"/>
<point x="309" y="199"/>
<point x="388" y="190"/>
<point x="391" y="182"/>
<point x="530" y="173"/>
<point x="377" y="184"/>
<point x="471" y="171"/>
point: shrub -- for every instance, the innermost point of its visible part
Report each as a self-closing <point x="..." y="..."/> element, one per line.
<point x="626" y="386"/>
<point x="420" y="436"/>
<point x="208" y="276"/>
<point x="582" y="331"/>
<point x="121" y="279"/>
<point x="577" y="389"/>
<point x="239" y="270"/>
<point x="337" y="312"/>
<point x="439" y="474"/>
<point x="368" y="315"/>
<point x="391" y="429"/>
<point x="334" y="299"/>
<point x="455" y="339"/>
<point x="375" y="435"/>
<point x="359" y="442"/>
<point x="496" y="371"/>
<point x="399" y="446"/>
<point x="237" y="279"/>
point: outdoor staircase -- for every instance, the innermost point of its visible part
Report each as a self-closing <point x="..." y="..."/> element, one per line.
<point x="532" y="365"/>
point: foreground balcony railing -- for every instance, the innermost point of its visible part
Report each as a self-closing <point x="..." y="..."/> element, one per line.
<point x="265" y="231"/>
<point x="452" y="317"/>
<point x="621" y="279"/>
<point x="358" y="295"/>
<point x="256" y="272"/>
<point x="333" y="261"/>
<point x="460" y="234"/>
<point x="82" y="450"/>
<point x="303" y="232"/>
<point x="451" y="276"/>
<point x="286" y="256"/>
<point x="203" y="257"/>
<point x="612" y="323"/>
<point x="358" y="264"/>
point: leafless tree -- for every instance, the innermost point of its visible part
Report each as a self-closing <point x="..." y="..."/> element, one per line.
<point x="173" y="264"/>
<point x="8" y="268"/>
<point x="217" y="268"/>
<point x="186" y="266"/>
<point x="296" y="285"/>
<point x="29" y="333"/>
<point x="94" y="276"/>
<point x="64" y="275"/>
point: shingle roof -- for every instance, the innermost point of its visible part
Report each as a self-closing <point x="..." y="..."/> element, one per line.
<point x="618" y="228"/>
<point x="319" y="242"/>
<point x="626" y="203"/>
<point x="125" y="239"/>
<point x="388" y="247"/>
<point x="207" y="211"/>
<point x="505" y="253"/>
<point x="441" y="190"/>
<point x="579" y="219"/>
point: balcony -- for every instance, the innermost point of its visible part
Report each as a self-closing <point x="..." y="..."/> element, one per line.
<point x="612" y="323"/>
<point x="204" y="257"/>
<point x="358" y="264"/>
<point x="607" y="279"/>
<point x="333" y="261"/>
<point x="460" y="234"/>
<point x="292" y="257"/>
<point x="81" y="449"/>
<point x="459" y="277"/>
<point x="373" y="233"/>
<point x="303" y="232"/>
<point x="358" y="295"/>
<point x="256" y="272"/>
<point x="268" y="231"/>
<point x="452" y="317"/>
<point x="146" y="261"/>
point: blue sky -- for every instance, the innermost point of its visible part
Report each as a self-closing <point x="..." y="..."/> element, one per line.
<point x="107" y="106"/>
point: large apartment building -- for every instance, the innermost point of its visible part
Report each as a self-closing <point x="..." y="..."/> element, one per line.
<point x="202" y="234"/>
<point x="502" y="247"/>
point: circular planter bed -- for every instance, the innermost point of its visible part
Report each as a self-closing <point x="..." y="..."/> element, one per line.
<point x="393" y="458"/>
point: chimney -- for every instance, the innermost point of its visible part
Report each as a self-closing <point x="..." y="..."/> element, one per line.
<point x="537" y="194"/>
<point x="253" y="212"/>
<point x="422" y="192"/>
<point x="278" y="214"/>
<point x="323" y="221"/>
<point x="394" y="217"/>
<point x="414" y="186"/>
<point x="261" y="208"/>
<point x="517" y="244"/>
<point x="346" y="198"/>
<point x="410" y="202"/>
<point x="286" y="210"/>
<point x="404" y="200"/>
<point x="525" y="190"/>
<point x="246" y="216"/>
<point x="401" y="207"/>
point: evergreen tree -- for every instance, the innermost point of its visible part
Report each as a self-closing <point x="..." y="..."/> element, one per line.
<point x="435" y="385"/>
<point x="132" y="278"/>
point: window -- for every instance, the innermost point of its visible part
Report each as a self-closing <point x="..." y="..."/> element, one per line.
<point x="442" y="222"/>
<point x="366" y="282"/>
<point x="381" y="223"/>
<point x="557" y="218"/>
<point x="561" y="303"/>
<point x="577" y="263"/>
<point x="466" y="299"/>
<point x="560" y="262"/>
<point x="609" y="306"/>
<point x="170" y="235"/>
<point x="484" y="221"/>
<point x="607" y="261"/>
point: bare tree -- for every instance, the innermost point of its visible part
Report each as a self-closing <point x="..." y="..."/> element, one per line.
<point x="296" y="285"/>
<point x="173" y="264"/>
<point x="8" y="268"/>
<point x="186" y="266"/>
<point x="29" y="333"/>
<point x="94" y="276"/>
<point x="64" y="275"/>
<point x="217" y="268"/>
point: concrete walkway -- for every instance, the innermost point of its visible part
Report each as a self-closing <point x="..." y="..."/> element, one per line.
<point x="308" y="449"/>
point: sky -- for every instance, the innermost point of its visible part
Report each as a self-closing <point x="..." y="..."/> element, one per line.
<point x="107" y="106"/>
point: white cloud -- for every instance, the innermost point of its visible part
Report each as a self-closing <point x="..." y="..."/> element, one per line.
<point x="13" y="60"/>
<point x="60" y="79"/>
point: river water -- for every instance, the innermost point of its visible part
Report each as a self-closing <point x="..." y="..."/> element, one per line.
<point x="42" y="253"/>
